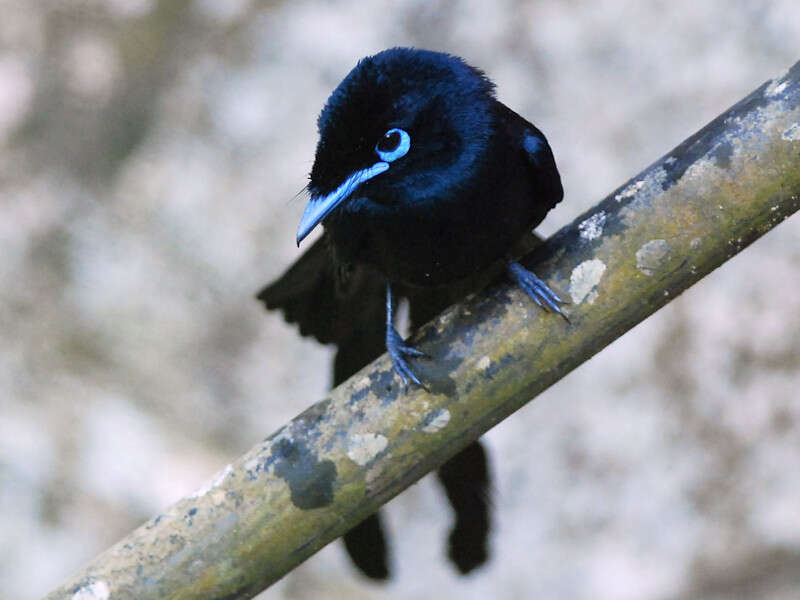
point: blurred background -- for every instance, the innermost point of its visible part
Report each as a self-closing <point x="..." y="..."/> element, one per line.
<point x="150" y="156"/>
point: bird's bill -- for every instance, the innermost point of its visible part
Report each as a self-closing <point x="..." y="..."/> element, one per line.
<point x="320" y="207"/>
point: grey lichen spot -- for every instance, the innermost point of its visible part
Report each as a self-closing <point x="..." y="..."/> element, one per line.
<point x="226" y="524"/>
<point x="629" y="191"/>
<point x="653" y="183"/>
<point x="363" y="447"/>
<point x="721" y="154"/>
<point x="92" y="590"/>
<point x="252" y="468"/>
<point x="652" y="256"/>
<point x="436" y="421"/>
<point x="360" y="391"/>
<point x="361" y="384"/>
<point x="584" y="279"/>
<point x="695" y="243"/>
<point x="592" y="228"/>
<point x="792" y="134"/>
<point x="310" y="480"/>
<point x="775" y="87"/>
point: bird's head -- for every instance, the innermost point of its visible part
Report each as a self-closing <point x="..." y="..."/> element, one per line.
<point x="405" y="125"/>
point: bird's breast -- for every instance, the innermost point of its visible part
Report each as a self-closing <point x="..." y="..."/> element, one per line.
<point x="426" y="248"/>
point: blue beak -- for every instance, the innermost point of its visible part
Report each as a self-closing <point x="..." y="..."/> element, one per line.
<point x="319" y="208"/>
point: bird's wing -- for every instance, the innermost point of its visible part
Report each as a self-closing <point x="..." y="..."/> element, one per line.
<point x="305" y="294"/>
<point x="538" y="156"/>
<point x="334" y="303"/>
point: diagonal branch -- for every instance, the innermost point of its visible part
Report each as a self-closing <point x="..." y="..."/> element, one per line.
<point x="337" y="462"/>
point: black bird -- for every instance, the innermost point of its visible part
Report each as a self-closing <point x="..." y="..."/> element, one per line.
<point x="425" y="184"/>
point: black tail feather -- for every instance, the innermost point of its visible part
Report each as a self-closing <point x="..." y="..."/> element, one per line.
<point x="465" y="478"/>
<point x="366" y="545"/>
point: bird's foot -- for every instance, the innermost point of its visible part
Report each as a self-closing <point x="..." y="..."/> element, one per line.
<point x="537" y="290"/>
<point x="398" y="350"/>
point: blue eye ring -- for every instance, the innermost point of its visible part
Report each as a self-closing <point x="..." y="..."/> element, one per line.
<point x="394" y="144"/>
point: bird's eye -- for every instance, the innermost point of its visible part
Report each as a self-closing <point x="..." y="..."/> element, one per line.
<point x="393" y="145"/>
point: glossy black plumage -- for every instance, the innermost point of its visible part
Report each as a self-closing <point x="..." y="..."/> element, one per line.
<point x="462" y="196"/>
<point x="425" y="184"/>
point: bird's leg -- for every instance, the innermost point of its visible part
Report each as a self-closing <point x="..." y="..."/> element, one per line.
<point x="397" y="349"/>
<point x="537" y="290"/>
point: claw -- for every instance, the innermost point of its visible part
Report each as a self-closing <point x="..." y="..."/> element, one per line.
<point x="398" y="349"/>
<point x="536" y="289"/>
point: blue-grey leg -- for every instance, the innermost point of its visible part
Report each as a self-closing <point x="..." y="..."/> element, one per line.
<point x="537" y="290"/>
<point x="398" y="349"/>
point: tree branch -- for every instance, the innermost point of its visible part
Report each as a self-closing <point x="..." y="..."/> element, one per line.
<point x="344" y="457"/>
